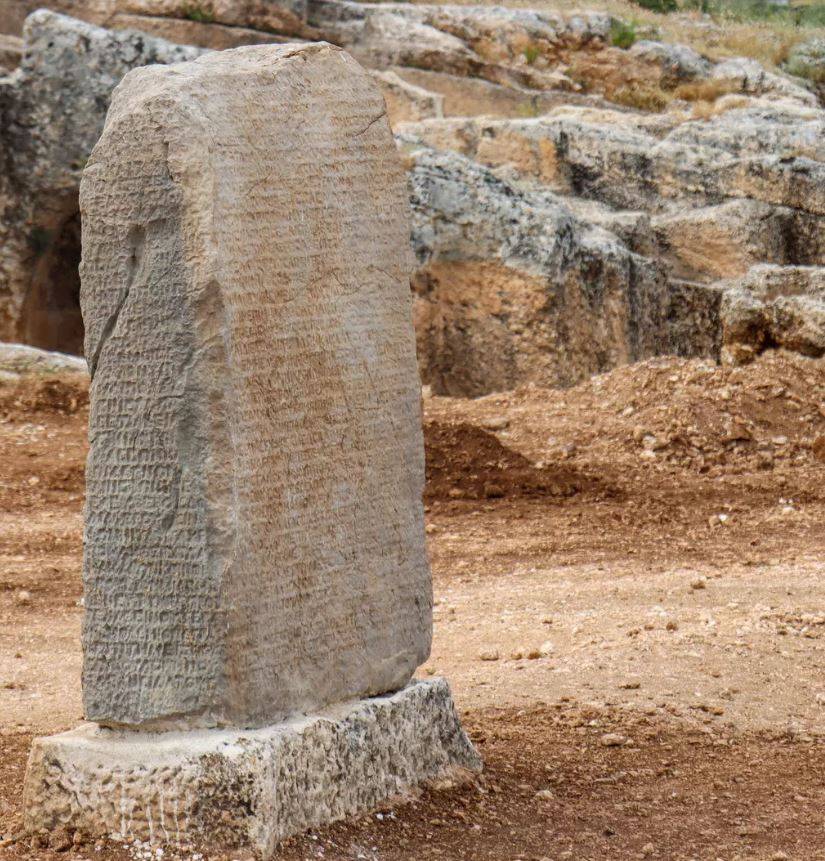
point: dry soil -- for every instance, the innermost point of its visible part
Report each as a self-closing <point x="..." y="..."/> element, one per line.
<point x="630" y="606"/>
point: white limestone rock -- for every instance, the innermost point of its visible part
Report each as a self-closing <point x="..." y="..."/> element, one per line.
<point x="247" y="789"/>
<point x="774" y="306"/>
<point x="512" y="288"/>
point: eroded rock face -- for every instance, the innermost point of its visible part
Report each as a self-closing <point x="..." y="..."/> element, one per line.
<point x="512" y="288"/>
<point x="696" y="200"/>
<point x="774" y="306"/>
<point x="51" y="113"/>
<point x="505" y="46"/>
<point x="725" y="173"/>
<point x="651" y="162"/>
<point x="284" y="17"/>
<point x="254" y="541"/>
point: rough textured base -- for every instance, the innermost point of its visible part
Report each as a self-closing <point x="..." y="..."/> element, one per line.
<point x="249" y="788"/>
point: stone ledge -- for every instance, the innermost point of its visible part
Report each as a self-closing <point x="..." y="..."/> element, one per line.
<point x="247" y="788"/>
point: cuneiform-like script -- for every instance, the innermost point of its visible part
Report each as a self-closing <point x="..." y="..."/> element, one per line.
<point x="254" y="532"/>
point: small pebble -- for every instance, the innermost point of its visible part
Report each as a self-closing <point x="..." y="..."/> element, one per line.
<point x="496" y="423"/>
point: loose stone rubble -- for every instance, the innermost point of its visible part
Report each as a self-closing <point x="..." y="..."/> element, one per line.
<point x="254" y="537"/>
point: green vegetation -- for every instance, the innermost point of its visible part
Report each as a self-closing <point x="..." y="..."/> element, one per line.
<point x="531" y="54"/>
<point x="201" y="14"/>
<point x="795" y="15"/>
<point x="622" y="34"/>
<point x="661" y="6"/>
<point x="812" y="15"/>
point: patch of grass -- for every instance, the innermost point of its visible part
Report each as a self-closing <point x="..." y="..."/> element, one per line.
<point x="642" y="98"/>
<point x="531" y="54"/>
<point x="201" y="14"/>
<point x="663" y="7"/>
<point x="802" y="68"/>
<point x="622" y="34"/>
<point x="704" y="91"/>
<point x="796" y="15"/>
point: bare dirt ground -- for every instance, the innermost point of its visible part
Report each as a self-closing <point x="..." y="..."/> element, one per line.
<point x="630" y="606"/>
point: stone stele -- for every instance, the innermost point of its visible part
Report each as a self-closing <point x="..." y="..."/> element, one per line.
<point x="255" y="559"/>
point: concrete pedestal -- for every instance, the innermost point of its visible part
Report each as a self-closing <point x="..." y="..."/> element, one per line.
<point x="247" y="788"/>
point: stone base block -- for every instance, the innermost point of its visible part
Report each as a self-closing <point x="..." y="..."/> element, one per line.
<point x="247" y="788"/>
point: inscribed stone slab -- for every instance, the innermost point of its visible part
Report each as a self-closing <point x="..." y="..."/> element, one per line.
<point x="254" y="528"/>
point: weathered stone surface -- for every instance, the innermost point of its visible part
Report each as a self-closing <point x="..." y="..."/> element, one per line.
<point x="521" y="47"/>
<point x="511" y="288"/>
<point x="725" y="240"/>
<point x="651" y="162"/>
<point x="51" y="113"/>
<point x="254" y="528"/>
<point x="678" y="63"/>
<point x="464" y="97"/>
<point x="18" y="358"/>
<point x="774" y="306"/>
<point x="702" y="190"/>
<point x="700" y="199"/>
<point x="407" y="102"/>
<point x="247" y="788"/>
<point x="284" y="17"/>
<point x="749" y="76"/>
<point x="204" y="34"/>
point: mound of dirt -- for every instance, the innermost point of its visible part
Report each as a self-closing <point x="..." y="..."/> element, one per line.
<point x="698" y="416"/>
<point x="467" y="462"/>
<point x="667" y="415"/>
<point x="21" y="396"/>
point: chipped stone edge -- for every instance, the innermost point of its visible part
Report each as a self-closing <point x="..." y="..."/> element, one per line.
<point x="247" y="788"/>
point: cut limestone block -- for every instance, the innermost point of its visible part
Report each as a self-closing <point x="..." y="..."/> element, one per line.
<point x="254" y="541"/>
<point x="247" y="788"/>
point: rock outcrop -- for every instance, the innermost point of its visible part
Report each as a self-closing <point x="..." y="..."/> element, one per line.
<point x="690" y="172"/>
<point x="511" y="287"/>
<point x="51" y="114"/>
<point x="695" y="200"/>
<point x="774" y="306"/>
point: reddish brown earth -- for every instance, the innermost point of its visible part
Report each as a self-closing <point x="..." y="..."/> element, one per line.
<point x="640" y="563"/>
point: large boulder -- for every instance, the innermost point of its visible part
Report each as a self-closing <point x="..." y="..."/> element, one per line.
<point x="51" y="114"/>
<point x="774" y="306"/>
<point x="513" y="288"/>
